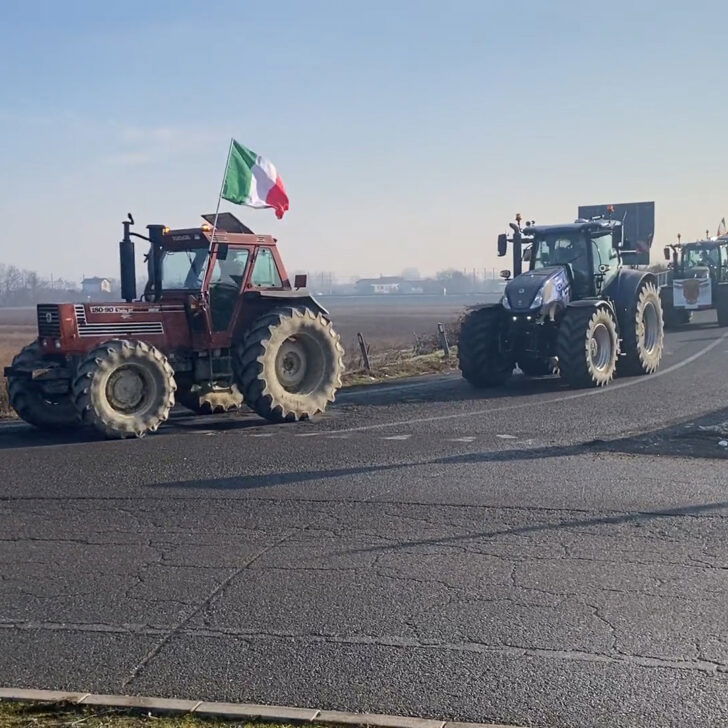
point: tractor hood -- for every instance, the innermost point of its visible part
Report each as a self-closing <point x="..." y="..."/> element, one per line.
<point x="539" y="288"/>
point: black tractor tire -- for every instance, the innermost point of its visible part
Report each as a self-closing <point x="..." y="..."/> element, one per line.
<point x="206" y="399"/>
<point x="289" y="364"/>
<point x="46" y="412"/>
<point x="721" y="305"/>
<point x="480" y="359"/>
<point x="124" y="388"/>
<point x="643" y="337"/>
<point x="587" y="346"/>
<point x="536" y="366"/>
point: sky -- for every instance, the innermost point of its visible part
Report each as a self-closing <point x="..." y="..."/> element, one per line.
<point x="408" y="133"/>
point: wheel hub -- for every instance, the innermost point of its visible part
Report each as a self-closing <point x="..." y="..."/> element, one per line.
<point x="291" y="364"/>
<point x="125" y="389"/>
<point x="600" y="347"/>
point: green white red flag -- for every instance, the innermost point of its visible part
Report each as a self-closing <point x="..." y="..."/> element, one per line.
<point x="253" y="180"/>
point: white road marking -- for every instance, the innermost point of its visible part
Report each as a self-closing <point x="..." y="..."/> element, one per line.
<point x="636" y="381"/>
<point x="461" y="439"/>
<point x="345" y="436"/>
<point x="397" y="437"/>
<point x="311" y="434"/>
<point x="507" y="437"/>
<point x="262" y="434"/>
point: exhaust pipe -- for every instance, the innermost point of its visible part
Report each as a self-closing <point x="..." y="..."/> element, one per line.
<point x="127" y="264"/>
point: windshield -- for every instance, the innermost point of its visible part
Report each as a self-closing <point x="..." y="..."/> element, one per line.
<point x="184" y="269"/>
<point x="560" y="249"/>
<point x="696" y="257"/>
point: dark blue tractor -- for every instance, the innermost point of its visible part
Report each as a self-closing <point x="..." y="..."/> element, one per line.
<point x="576" y="310"/>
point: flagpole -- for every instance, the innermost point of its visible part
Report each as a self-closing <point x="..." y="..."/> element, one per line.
<point x="222" y="187"/>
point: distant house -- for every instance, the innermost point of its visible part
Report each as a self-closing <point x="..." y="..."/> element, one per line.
<point x="387" y="285"/>
<point x="96" y="287"/>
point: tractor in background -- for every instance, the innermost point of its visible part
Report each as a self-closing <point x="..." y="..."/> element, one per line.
<point x="698" y="280"/>
<point x="218" y="324"/>
<point x="576" y="309"/>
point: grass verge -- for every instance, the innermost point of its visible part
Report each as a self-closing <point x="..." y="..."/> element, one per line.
<point x="53" y="715"/>
<point x="401" y="367"/>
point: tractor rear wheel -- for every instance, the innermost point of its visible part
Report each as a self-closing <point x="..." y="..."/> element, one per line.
<point x="721" y="304"/>
<point x="587" y="346"/>
<point x="206" y="399"/>
<point x="643" y="336"/>
<point x="533" y="366"/>
<point x="124" y="388"/>
<point x="32" y="404"/>
<point x="289" y="364"/>
<point x="480" y="358"/>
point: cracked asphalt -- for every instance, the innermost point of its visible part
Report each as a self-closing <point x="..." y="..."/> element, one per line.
<point x="529" y="556"/>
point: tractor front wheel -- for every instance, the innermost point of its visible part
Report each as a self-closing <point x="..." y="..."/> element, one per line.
<point x="587" y="346"/>
<point x="32" y="404"/>
<point x="480" y="357"/>
<point x="643" y="335"/>
<point x="210" y="399"/>
<point x="289" y="364"/>
<point x="124" y="388"/>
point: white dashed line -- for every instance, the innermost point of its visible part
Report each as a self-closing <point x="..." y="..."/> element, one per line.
<point x="262" y="434"/>
<point x="507" y="437"/>
<point x="461" y="439"/>
<point x="397" y="437"/>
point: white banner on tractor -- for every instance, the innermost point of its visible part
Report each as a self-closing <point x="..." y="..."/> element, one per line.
<point x="693" y="293"/>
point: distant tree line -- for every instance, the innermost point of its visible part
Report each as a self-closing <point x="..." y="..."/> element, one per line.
<point x="20" y="287"/>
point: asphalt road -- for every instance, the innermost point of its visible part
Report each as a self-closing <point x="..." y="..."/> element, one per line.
<point x="532" y="555"/>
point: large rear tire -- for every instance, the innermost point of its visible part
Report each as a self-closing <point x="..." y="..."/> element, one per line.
<point x="587" y="346"/>
<point x="32" y="404"/>
<point x="289" y="365"/>
<point x="206" y="399"/>
<point x="643" y="336"/>
<point x="480" y="358"/>
<point x="124" y="388"/>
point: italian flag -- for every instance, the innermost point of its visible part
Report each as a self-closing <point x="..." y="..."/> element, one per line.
<point x="252" y="180"/>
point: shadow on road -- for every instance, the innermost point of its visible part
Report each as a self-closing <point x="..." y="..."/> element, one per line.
<point x="637" y="517"/>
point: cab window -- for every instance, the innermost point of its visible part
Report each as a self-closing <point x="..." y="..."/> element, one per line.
<point x="265" y="273"/>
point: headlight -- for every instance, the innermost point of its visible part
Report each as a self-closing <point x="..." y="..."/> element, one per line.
<point x="537" y="301"/>
<point x="505" y="302"/>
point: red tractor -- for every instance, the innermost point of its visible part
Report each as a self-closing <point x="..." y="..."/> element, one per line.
<point x="218" y="324"/>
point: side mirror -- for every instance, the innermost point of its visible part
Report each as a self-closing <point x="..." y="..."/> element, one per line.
<point x="222" y="251"/>
<point x="300" y="281"/>
<point x="527" y="254"/>
<point x="502" y="245"/>
<point x="666" y="251"/>
<point x="505" y="274"/>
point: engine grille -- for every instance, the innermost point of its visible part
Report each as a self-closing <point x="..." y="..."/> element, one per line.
<point x="49" y="320"/>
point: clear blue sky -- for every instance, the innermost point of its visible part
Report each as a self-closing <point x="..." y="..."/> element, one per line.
<point x="407" y="133"/>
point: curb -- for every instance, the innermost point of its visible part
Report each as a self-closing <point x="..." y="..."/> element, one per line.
<point x="247" y="711"/>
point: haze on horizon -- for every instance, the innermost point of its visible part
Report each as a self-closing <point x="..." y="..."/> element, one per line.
<point x="408" y="133"/>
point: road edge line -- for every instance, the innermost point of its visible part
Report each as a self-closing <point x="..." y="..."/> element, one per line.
<point x="251" y="711"/>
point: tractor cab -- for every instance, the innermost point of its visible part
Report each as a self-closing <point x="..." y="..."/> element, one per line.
<point x="573" y="261"/>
